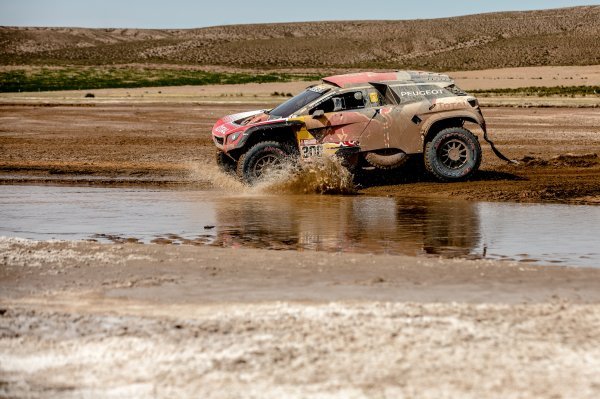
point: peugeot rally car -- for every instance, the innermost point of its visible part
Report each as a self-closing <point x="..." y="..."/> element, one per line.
<point x="373" y="120"/>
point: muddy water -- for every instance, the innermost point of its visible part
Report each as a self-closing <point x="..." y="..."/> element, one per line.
<point x="543" y="234"/>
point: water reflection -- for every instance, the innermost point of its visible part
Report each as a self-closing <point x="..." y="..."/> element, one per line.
<point x="543" y="234"/>
<point x="349" y="224"/>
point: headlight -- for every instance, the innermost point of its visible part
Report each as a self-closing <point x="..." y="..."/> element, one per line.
<point x="233" y="137"/>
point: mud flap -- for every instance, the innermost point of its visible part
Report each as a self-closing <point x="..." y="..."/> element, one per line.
<point x="496" y="151"/>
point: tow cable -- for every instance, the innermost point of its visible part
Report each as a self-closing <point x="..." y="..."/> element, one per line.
<point x="496" y="151"/>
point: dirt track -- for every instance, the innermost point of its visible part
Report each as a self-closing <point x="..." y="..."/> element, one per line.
<point x="159" y="143"/>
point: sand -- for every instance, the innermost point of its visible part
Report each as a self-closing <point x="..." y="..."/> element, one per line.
<point x="261" y="93"/>
<point x="91" y="320"/>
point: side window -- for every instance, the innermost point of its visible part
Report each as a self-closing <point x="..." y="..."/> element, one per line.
<point x="342" y="102"/>
<point x="382" y="94"/>
<point x="377" y="99"/>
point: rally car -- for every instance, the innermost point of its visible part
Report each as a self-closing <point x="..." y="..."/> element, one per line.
<point x="368" y="120"/>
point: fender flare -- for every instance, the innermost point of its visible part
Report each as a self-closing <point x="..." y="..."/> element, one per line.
<point x="266" y="127"/>
<point x="470" y="117"/>
<point x="464" y="116"/>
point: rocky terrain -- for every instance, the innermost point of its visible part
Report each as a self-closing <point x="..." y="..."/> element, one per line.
<point x="497" y="40"/>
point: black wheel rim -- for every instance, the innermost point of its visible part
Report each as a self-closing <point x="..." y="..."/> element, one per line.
<point x="453" y="154"/>
<point x="265" y="163"/>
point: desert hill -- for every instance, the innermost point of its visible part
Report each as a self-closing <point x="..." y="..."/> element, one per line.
<point x="566" y="36"/>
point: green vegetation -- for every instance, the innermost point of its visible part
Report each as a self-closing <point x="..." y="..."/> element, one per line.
<point x="86" y="78"/>
<point x="101" y="77"/>
<point x="559" y="91"/>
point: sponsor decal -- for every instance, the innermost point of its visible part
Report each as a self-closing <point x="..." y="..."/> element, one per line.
<point x="448" y="106"/>
<point x="421" y="93"/>
<point x="221" y="129"/>
<point x="241" y="115"/>
<point x="312" y="151"/>
<point x="308" y="142"/>
<point x="319" y="88"/>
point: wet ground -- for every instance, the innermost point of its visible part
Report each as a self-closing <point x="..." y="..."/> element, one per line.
<point x="170" y="143"/>
<point x="344" y="313"/>
<point x="537" y="233"/>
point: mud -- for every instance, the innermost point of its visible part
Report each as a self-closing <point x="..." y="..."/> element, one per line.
<point x="84" y="319"/>
<point x="171" y="144"/>
<point x="321" y="176"/>
<point x="564" y="160"/>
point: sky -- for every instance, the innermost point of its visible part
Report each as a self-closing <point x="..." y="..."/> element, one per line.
<point x="202" y="13"/>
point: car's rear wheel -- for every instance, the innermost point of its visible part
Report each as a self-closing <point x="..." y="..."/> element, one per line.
<point x="261" y="159"/>
<point x="453" y="154"/>
<point x="225" y="163"/>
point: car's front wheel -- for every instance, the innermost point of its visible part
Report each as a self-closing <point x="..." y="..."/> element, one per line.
<point x="453" y="154"/>
<point x="261" y="159"/>
<point x="225" y="163"/>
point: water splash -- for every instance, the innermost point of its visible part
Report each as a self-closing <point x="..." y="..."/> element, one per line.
<point x="211" y="174"/>
<point x="321" y="176"/>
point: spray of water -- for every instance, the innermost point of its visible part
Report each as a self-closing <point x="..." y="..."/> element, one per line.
<point x="321" y="176"/>
<point x="211" y="174"/>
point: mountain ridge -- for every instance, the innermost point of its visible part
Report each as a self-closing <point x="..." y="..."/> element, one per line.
<point x="565" y="36"/>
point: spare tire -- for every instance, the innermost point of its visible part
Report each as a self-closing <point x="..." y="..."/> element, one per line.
<point x="388" y="159"/>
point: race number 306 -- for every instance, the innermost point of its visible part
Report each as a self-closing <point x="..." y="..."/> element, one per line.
<point x="310" y="151"/>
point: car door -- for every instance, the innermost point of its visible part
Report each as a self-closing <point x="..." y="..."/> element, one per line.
<point x="401" y="124"/>
<point x="394" y="127"/>
<point x="341" y="117"/>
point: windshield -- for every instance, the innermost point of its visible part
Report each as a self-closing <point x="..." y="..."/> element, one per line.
<point x="295" y="103"/>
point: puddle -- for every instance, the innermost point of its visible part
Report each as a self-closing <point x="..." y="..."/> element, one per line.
<point x="531" y="233"/>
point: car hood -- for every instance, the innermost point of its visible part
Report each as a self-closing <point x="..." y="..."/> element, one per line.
<point x="241" y="122"/>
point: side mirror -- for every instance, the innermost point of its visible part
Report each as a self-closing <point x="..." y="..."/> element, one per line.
<point x="318" y="113"/>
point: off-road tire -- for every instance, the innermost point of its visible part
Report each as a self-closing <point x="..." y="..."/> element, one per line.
<point x="249" y="163"/>
<point x="386" y="162"/>
<point x="225" y="163"/>
<point x="453" y="154"/>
